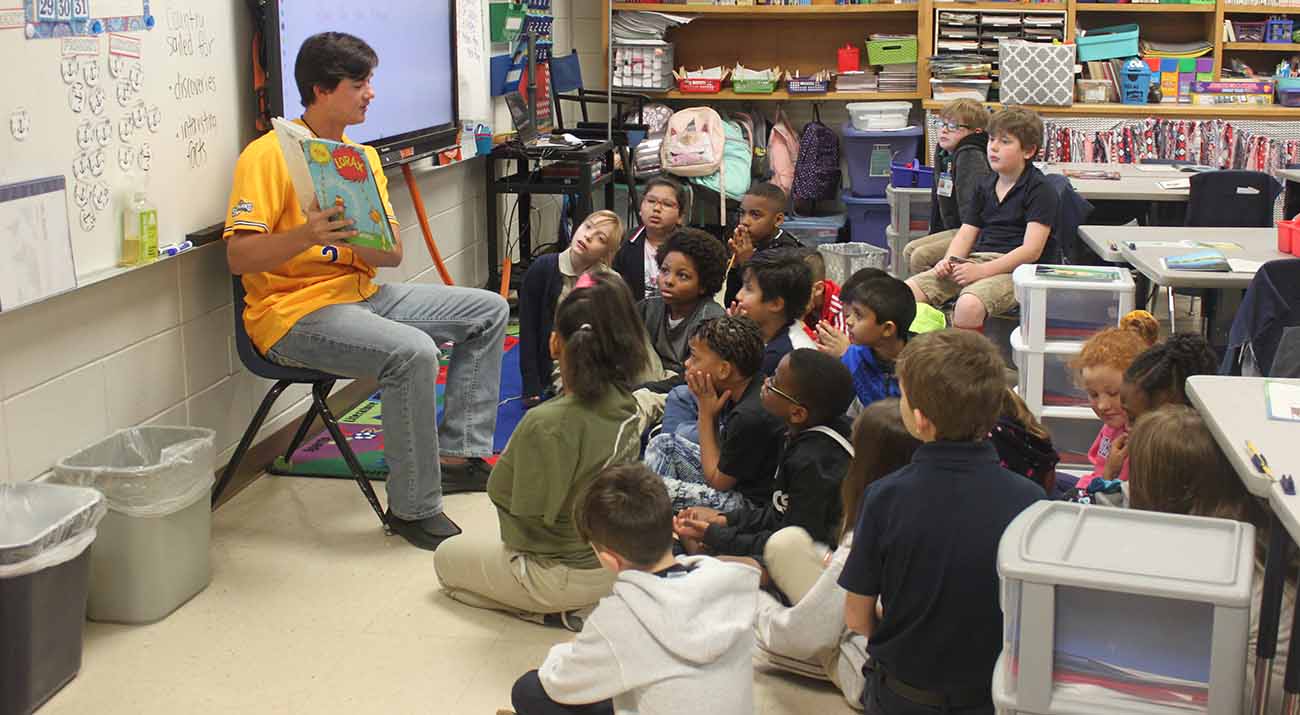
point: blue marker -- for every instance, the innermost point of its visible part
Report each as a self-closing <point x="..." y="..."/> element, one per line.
<point x="175" y="248"/>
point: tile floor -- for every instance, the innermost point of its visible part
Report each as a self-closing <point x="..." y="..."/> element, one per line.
<point x="312" y="610"/>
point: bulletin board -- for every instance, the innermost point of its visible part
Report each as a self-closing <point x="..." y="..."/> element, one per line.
<point x="112" y="95"/>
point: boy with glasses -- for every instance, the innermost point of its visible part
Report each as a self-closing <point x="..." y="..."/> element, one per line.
<point x="960" y="165"/>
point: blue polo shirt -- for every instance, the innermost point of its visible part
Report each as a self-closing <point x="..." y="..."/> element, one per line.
<point x="926" y="543"/>
<point x="1002" y="223"/>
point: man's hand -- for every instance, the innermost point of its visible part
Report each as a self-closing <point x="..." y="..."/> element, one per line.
<point x="710" y="403"/>
<point x="1115" y="460"/>
<point x="742" y="246"/>
<point x="325" y="227"/>
<point x="967" y="273"/>
<point x="830" y="340"/>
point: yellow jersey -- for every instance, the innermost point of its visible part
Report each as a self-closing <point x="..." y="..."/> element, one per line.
<point x="263" y="201"/>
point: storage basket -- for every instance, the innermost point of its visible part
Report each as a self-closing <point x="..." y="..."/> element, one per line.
<point x="808" y="85"/>
<point x="1107" y="43"/>
<point x="910" y="175"/>
<point x="898" y="51"/>
<point x="753" y="86"/>
<point x="1278" y="30"/>
<point x="700" y="86"/>
<point x="845" y="259"/>
<point x="1249" y="31"/>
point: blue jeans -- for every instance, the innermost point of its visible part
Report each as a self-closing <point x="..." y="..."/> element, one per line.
<point x="677" y="460"/>
<point x="682" y="414"/>
<point x="393" y="337"/>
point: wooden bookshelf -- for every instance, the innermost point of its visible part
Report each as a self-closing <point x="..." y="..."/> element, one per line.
<point x="783" y="96"/>
<point x="1261" y="9"/>
<point x="1261" y="47"/>
<point x="1182" y="111"/>
<point x="768" y="11"/>
<point x="1179" y="8"/>
<point x="960" y="6"/>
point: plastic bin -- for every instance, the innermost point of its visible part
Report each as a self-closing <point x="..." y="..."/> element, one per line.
<point x="895" y="51"/>
<point x="815" y="230"/>
<point x="845" y="259"/>
<point x="878" y="116"/>
<point x="947" y="90"/>
<point x="1071" y="305"/>
<point x="45" y="533"/>
<point x="1045" y="377"/>
<point x="1107" y="43"/>
<point x="909" y="209"/>
<point x="870" y="154"/>
<point x="911" y="175"/>
<point x="868" y="219"/>
<point x="1082" y="616"/>
<point x="153" y="545"/>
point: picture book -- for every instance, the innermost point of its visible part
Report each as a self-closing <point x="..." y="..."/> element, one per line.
<point x="1283" y="400"/>
<point x="332" y="173"/>
<point x="1077" y="273"/>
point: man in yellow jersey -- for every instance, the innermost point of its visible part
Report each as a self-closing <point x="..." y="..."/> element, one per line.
<point x="312" y="303"/>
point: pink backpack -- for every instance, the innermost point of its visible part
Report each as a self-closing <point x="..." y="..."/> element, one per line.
<point x="693" y="146"/>
<point x="782" y="151"/>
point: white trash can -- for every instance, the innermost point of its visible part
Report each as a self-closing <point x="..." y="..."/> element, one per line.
<point x="152" y="552"/>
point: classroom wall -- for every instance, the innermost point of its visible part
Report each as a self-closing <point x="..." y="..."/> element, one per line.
<point x="156" y="346"/>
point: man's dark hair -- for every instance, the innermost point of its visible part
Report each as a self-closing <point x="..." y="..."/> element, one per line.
<point x="822" y="383"/>
<point x="327" y="58"/>
<point x="705" y="251"/>
<point x="782" y="273"/>
<point x="626" y="509"/>
<point x="888" y="298"/>
<point x="770" y="192"/>
<point x="735" y="339"/>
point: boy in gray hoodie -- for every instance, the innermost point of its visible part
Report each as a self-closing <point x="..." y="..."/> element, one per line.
<point x="676" y="633"/>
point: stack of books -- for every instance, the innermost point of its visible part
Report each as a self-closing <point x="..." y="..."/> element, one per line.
<point x="856" y="81"/>
<point x="897" y="78"/>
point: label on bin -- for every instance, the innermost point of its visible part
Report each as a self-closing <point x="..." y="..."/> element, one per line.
<point x="881" y="155"/>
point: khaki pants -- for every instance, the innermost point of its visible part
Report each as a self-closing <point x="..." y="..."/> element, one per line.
<point x="480" y="571"/>
<point x="923" y="253"/>
<point x="997" y="293"/>
<point x="794" y="561"/>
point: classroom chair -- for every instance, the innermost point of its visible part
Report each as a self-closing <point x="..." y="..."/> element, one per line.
<point x="1270" y="308"/>
<point x="1228" y="199"/>
<point x="321" y="384"/>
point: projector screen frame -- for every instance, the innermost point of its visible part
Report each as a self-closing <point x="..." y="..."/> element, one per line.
<point x="393" y="150"/>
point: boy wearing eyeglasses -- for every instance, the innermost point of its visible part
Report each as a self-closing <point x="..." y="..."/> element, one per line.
<point x="960" y="164"/>
<point x="809" y="393"/>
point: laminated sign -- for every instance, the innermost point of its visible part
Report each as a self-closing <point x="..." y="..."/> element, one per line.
<point x="1036" y="73"/>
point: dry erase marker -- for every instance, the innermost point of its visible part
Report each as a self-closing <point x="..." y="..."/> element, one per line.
<point x="175" y="248"/>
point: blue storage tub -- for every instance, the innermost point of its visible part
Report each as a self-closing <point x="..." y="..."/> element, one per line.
<point x="868" y="219"/>
<point x="815" y="230"/>
<point x="911" y="175"/>
<point x="1107" y="43"/>
<point x="872" y="154"/>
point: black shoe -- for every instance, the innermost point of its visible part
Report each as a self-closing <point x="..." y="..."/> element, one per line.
<point x="472" y="476"/>
<point x="568" y="620"/>
<point x="427" y="533"/>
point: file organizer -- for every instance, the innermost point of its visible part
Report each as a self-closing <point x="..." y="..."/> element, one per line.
<point x="1120" y="611"/>
<point x="909" y="219"/>
<point x="1070" y="310"/>
<point x="1046" y="379"/>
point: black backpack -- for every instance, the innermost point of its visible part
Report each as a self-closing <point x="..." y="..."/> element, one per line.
<point x="817" y="171"/>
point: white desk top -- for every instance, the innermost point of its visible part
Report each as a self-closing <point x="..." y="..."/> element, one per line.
<point x="1258" y="244"/>
<point x="1233" y="409"/>
<point x="1133" y="184"/>
<point x="1105" y="240"/>
<point x="1289" y="174"/>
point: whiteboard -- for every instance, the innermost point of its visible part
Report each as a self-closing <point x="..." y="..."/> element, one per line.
<point x="167" y="108"/>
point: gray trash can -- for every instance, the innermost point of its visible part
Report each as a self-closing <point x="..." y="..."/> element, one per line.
<point x="845" y="259"/>
<point x="45" y="534"/>
<point x="152" y="552"/>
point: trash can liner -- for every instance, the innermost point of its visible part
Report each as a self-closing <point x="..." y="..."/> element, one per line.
<point x="61" y="553"/>
<point x="145" y="471"/>
<point x="39" y="518"/>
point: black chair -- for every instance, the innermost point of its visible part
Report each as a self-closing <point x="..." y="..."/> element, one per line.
<point x="321" y="384"/>
<point x="1269" y="310"/>
<point x="1227" y="199"/>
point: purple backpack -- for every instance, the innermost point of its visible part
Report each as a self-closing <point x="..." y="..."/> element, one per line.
<point x="817" y="170"/>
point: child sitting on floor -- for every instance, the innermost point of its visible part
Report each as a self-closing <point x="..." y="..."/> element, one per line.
<point x="662" y="206"/>
<point x="762" y="211"/>
<point x="536" y="566"/>
<point x="880" y="309"/>
<point x="1024" y="445"/>
<point x="825" y="306"/>
<point x="1159" y="376"/>
<point x="809" y="637"/>
<point x="547" y="281"/>
<point x="836" y="342"/>
<point x="809" y="392"/>
<point x="675" y="636"/>
<point x="739" y="444"/>
<point x="692" y="265"/>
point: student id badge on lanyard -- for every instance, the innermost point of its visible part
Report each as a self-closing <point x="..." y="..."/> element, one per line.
<point x="944" y="187"/>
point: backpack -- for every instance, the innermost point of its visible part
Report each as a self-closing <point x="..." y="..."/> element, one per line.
<point x="737" y="155"/>
<point x="756" y="126"/>
<point x="817" y="172"/>
<point x="694" y="144"/>
<point x="782" y="152"/>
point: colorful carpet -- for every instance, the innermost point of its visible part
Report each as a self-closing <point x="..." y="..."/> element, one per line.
<point x="363" y="426"/>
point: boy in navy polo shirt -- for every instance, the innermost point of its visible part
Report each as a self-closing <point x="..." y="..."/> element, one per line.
<point x="925" y="544"/>
<point x="1010" y="224"/>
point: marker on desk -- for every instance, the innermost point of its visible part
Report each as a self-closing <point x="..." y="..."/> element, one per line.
<point x="1257" y="458"/>
<point x="175" y="248"/>
<point x="1288" y="485"/>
